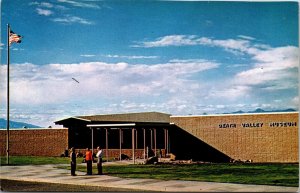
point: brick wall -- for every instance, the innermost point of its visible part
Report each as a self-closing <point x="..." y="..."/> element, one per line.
<point x="37" y="142"/>
<point x="267" y="137"/>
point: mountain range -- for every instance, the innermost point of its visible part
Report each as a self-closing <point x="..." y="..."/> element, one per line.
<point x="259" y="110"/>
<point x="16" y="125"/>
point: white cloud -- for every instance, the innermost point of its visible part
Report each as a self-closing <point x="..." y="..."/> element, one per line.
<point x="61" y="7"/>
<point x="278" y="66"/>
<point x="241" y="46"/>
<point x="17" y="49"/>
<point x="34" y="3"/>
<point x="172" y="106"/>
<point x="51" y="84"/>
<point x="69" y="19"/>
<point x="43" y="8"/>
<point x="273" y="68"/>
<point x="246" y="37"/>
<point x="130" y="57"/>
<point x="171" y="40"/>
<point x="44" y="12"/>
<point x="229" y="92"/>
<point x="87" y="55"/>
<point x="235" y="46"/>
<point x="80" y="4"/>
<point x="287" y="56"/>
<point x="123" y="87"/>
<point x="46" y="4"/>
<point x="47" y="9"/>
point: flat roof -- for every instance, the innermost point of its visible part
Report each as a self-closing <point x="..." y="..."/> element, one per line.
<point x="144" y="118"/>
<point x="81" y="119"/>
<point x="141" y="117"/>
<point x="131" y="117"/>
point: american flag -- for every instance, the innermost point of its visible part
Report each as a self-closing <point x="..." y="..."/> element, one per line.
<point x="14" y="38"/>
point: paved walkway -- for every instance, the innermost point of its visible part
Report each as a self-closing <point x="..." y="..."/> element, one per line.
<point x="47" y="173"/>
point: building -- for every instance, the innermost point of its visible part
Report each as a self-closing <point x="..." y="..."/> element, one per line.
<point x="119" y="133"/>
<point x="261" y="137"/>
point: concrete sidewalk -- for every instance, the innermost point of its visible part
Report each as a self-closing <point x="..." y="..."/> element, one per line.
<point x="47" y="173"/>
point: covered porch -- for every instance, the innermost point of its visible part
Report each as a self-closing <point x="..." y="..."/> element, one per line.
<point x="121" y="136"/>
<point x="134" y="140"/>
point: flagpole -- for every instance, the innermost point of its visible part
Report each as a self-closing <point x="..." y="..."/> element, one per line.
<point x="7" y="118"/>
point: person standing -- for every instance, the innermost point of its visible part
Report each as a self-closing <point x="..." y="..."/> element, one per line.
<point x="89" y="161"/>
<point x="73" y="161"/>
<point x="99" y="161"/>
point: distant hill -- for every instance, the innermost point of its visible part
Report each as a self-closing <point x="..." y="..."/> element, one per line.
<point x="16" y="125"/>
<point x="259" y="110"/>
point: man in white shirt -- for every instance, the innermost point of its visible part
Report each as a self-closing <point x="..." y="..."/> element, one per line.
<point x="99" y="161"/>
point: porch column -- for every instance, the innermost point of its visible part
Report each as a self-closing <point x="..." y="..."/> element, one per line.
<point x="106" y="145"/>
<point x="92" y="140"/>
<point x="144" y="132"/>
<point x="120" y="139"/>
<point x="133" y="140"/>
<point x="167" y="137"/>
<point x="154" y="142"/>
<point x="151" y="139"/>
<point x="136" y="139"/>
<point x="166" y="142"/>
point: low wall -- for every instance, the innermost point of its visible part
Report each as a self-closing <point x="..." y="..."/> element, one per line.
<point x="35" y="142"/>
<point x="115" y="153"/>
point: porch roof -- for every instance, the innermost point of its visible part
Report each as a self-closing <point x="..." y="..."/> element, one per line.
<point x="155" y="118"/>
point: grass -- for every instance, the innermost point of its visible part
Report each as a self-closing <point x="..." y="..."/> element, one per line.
<point x="38" y="160"/>
<point x="251" y="173"/>
<point x="34" y="160"/>
<point x="264" y="174"/>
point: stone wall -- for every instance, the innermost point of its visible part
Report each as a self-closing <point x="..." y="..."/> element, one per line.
<point x="35" y="142"/>
<point x="271" y="137"/>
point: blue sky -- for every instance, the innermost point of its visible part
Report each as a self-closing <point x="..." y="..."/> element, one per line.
<point x="134" y="56"/>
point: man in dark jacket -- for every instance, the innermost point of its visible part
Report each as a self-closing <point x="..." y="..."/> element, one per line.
<point x="73" y="161"/>
<point x="99" y="161"/>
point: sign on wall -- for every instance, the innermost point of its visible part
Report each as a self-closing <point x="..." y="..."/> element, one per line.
<point x="258" y="124"/>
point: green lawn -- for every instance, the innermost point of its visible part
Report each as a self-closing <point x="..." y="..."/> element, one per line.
<point x="34" y="160"/>
<point x="267" y="174"/>
<point x="250" y="173"/>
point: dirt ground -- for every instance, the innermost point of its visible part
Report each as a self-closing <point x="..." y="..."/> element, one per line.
<point x="22" y="186"/>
